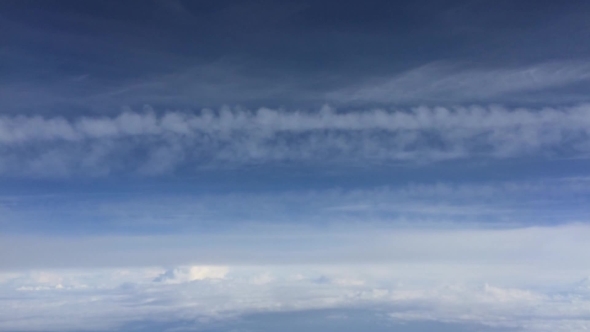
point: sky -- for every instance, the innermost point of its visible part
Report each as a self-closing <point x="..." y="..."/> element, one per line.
<point x="262" y="166"/>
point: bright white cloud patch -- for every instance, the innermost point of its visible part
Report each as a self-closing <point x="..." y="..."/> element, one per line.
<point x="154" y="144"/>
<point x="192" y="273"/>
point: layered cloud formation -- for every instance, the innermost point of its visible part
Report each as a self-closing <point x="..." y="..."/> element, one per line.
<point x="443" y="186"/>
<point x="205" y="297"/>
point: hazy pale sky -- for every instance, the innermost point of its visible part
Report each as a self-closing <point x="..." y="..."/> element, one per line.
<point x="262" y="166"/>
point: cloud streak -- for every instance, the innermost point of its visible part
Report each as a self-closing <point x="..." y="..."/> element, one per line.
<point x="450" y="83"/>
<point x="153" y="143"/>
<point x="438" y="206"/>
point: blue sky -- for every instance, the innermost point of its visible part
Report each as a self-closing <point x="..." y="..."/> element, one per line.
<point x="171" y="165"/>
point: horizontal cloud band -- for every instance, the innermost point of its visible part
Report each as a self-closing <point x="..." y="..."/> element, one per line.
<point x="525" y="279"/>
<point x="154" y="143"/>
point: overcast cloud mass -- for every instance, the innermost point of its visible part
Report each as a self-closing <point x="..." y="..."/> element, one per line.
<point x="263" y="166"/>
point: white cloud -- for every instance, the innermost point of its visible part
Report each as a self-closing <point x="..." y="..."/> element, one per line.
<point x="445" y="82"/>
<point x="192" y="273"/>
<point x="264" y="122"/>
<point x="155" y="144"/>
<point x="111" y="298"/>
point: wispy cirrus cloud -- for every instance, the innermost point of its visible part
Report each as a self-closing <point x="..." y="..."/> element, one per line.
<point x="441" y="82"/>
<point x="438" y="205"/>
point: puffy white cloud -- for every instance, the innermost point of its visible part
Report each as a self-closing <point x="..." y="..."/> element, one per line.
<point x="192" y="273"/>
